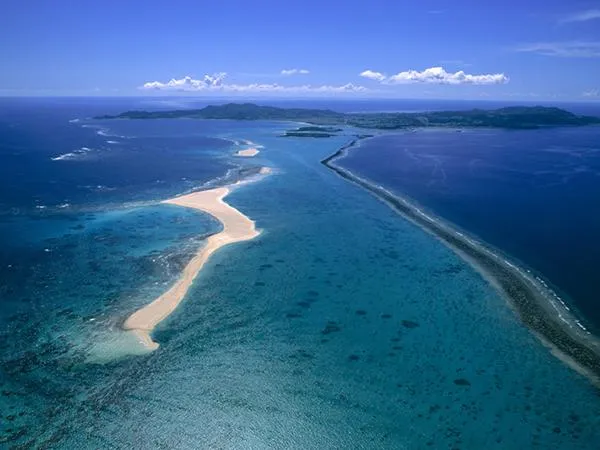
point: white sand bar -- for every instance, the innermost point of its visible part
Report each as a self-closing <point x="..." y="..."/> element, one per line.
<point x="236" y="228"/>
<point x="248" y="152"/>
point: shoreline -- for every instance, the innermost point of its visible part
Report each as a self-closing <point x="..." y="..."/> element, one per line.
<point x="529" y="297"/>
<point x="236" y="228"/>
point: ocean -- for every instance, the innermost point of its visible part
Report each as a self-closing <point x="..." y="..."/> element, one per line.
<point x="341" y="326"/>
<point x="531" y="194"/>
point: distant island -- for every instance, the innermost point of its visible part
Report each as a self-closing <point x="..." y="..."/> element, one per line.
<point x="312" y="131"/>
<point x="514" y="117"/>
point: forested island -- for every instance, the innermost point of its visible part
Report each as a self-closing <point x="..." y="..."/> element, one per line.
<point x="312" y="131"/>
<point x="514" y="117"/>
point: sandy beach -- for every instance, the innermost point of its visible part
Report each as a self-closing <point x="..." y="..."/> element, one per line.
<point x="249" y="152"/>
<point x="236" y="228"/>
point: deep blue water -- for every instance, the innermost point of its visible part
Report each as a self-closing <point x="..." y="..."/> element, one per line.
<point x="49" y="161"/>
<point x="340" y="326"/>
<point x="532" y="194"/>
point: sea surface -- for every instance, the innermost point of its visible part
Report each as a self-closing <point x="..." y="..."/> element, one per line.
<point x="532" y="194"/>
<point x="340" y="326"/>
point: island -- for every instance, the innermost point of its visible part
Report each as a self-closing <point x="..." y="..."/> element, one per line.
<point x="513" y="117"/>
<point x="530" y="298"/>
<point x="312" y="131"/>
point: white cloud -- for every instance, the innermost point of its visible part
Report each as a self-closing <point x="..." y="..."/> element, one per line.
<point x="377" y="76"/>
<point x="214" y="83"/>
<point x="188" y="83"/>
<point x="592" y="93"/>
<point x="288" y="72"/>
<point x="570" y="49"/>
<point x="348" y="87"/>
<point x="582" y="16"/>
<point x="436" y="75"/>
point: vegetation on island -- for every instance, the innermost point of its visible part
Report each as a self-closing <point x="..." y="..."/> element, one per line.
<point x="316" y="129"/>
<point x="313" y="132"/>
<point x="514" y="117"/>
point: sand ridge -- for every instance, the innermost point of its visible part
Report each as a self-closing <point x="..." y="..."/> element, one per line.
<point x="249" y="152"/>
<point x="236" y="228"/>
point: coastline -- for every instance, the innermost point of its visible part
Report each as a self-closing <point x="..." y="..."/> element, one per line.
<point x="528" y="296"/>
<point x="236" y="228"/>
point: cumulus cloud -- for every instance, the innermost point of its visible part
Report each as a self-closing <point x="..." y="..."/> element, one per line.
<point x="582" y="16"/>
<point x="436" y="75"/>
<point x="188" y="83"/>
<point x="592" y="93"/>
<point x="570" y="49"/>
<point x="377" y="76"/>
<point x="288" y="72"/>
<point x="214" y="83"/>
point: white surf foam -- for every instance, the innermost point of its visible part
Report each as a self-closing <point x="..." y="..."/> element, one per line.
<point x="78" y="154"/>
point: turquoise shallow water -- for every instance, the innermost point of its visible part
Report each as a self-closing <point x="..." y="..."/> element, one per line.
<point x="341" y="326"/>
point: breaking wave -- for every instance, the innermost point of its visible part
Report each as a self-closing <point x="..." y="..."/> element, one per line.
<point x="75" y="155"/>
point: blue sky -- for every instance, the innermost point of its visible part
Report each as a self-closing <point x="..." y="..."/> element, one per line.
<point x="526" y="50"/>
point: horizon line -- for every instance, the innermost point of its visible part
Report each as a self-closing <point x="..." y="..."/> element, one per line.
<point x="246" y="99"/>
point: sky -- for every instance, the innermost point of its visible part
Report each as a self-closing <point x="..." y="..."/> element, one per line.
<point x="460" y="49"/>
